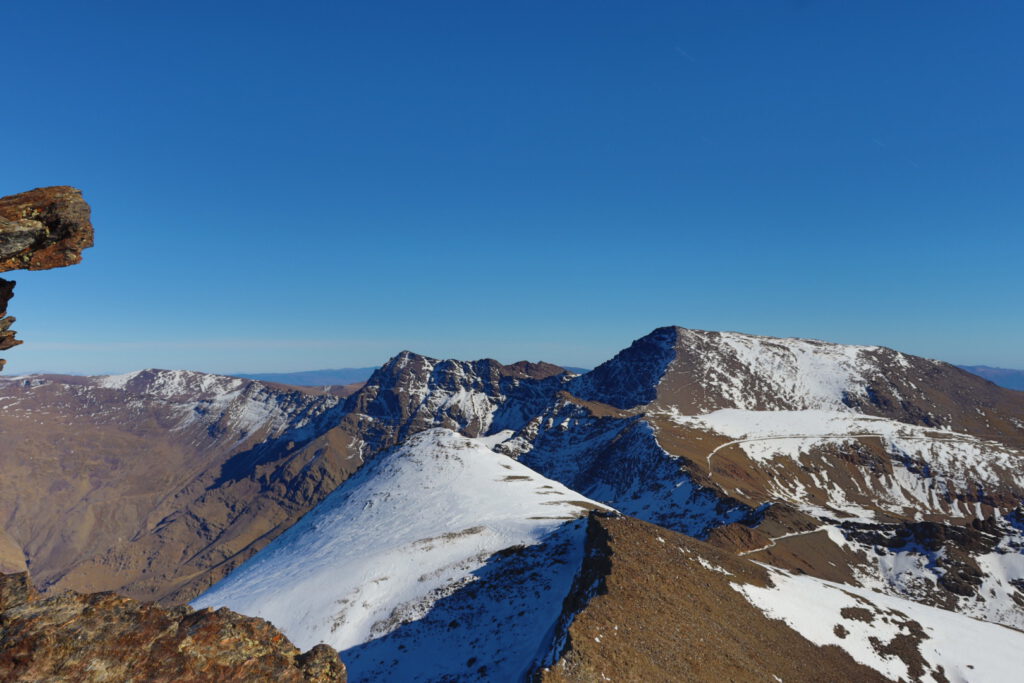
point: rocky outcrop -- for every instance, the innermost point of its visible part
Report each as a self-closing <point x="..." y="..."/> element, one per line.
<point x="411" y="393"/>
<point x="40" y="229"/>
<point x="105" y="637"/>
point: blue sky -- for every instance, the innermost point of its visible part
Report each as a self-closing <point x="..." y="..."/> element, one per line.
<point x="284" y="186"/>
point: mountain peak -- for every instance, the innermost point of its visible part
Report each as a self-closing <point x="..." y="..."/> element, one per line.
<point x="630" y="378"/>
<point x="693" y="372"/>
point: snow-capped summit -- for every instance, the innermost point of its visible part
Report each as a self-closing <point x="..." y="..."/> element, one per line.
<point x="695" y="372"/>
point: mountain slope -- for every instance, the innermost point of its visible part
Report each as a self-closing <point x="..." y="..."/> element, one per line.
<point x="858" y="466"/>
<point x="696" y="372"/>
<point x="418" y="527"/>
<point x="170" y="479"/>
<point x="98" y="470"/>
<point x="855" y="464"/>
<point x="654" y="605"/>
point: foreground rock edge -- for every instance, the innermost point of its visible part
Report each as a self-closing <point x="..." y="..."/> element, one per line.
<point x="102" y="637"/>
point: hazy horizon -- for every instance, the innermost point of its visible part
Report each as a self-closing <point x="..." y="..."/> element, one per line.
<point x="245" y="372"/>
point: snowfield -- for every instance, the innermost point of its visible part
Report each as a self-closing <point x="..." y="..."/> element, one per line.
<point x="801" y="372"/>
<point x="863" y="623"/>
<point x="404" y="537"/>
<point x="940" y="460"/>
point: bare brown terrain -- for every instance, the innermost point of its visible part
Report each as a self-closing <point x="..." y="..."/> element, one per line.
<point x="658" y="613"/>
<point x="101" y="481"/>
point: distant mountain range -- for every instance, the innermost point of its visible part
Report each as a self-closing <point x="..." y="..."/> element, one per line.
<point x="336" y="376"/>
<point x="1004" y="377"/>
<point x="314" y="378"/>
<point x="738" y="506"/>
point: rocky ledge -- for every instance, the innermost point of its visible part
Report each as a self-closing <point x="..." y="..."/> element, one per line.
<point x="40" y="229"/>
<point x="105" y="637"/>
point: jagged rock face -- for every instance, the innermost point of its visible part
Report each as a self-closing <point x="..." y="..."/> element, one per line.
<point x="39" y="229"/>
<point x="104" y="637"/>
<point x="632" y="377"/>
<point x="44" y="228"/>
<point x="411" y="393"/>
<point x="7" y="339"/>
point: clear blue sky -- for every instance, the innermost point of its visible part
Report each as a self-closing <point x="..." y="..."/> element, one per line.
<point x="282" y="186"/>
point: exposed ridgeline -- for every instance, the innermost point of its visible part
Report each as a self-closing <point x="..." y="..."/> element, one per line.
<point x="40" y="229"/>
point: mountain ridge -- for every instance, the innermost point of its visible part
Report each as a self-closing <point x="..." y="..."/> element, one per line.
<point x="860" y="466"/>
<point x="638" y="434"/>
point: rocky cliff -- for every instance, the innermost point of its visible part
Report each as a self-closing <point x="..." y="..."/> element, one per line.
<point x="40" y="229"/>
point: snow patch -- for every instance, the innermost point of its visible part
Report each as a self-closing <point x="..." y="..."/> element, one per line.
<point x="861" y="622"/>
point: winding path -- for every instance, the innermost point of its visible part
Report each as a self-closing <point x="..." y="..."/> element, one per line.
<point x="771" y="541"/>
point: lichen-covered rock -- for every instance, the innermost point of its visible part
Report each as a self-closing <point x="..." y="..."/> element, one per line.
<point x="106" y="637"/>
<point x="40" y="229"/>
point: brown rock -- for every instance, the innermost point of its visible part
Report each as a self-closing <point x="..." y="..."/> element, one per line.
<point x="105" y="637"/>
<point x="43" y="228"/>
<point x="40" y="229"/>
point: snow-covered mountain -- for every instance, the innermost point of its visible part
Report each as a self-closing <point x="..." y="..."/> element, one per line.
<point x="432" y="527"/>
<point x="453" y="544"/>
<point x="411" y="393"/>
<point x="169" y="479"/>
